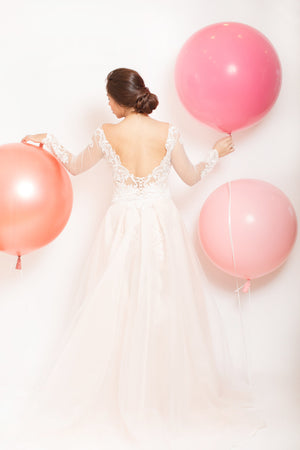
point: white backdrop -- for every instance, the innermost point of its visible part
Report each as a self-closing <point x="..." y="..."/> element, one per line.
<point x="55" y="57"/>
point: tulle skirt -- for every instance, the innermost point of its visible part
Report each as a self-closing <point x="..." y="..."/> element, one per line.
<point x="144" y="362"/>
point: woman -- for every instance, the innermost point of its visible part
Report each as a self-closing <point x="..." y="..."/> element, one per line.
<point x="141" y="354"/>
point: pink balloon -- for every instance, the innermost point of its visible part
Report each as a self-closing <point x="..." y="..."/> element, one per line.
<point x="228" y="75"/>
<point x="247" y="227"/>
<point x="36" y="198"/>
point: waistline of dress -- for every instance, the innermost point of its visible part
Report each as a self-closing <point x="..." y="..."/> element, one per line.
<point x="142" y="199"/>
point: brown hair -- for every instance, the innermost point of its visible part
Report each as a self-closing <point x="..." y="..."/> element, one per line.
<point x="128" y="89"/>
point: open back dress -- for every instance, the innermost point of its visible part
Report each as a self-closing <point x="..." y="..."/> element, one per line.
<point x="144" y="362"/>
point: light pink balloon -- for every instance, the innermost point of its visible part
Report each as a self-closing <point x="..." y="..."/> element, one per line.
<point x="261" y="221"/>
<point x="36" y="198"/>
<point x="228" y="75"/>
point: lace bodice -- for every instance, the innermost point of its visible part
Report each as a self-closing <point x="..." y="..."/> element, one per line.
<point x="127" y="186"/>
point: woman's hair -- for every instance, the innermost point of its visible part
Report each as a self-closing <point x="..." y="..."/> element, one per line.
<point x="128" y="89"/>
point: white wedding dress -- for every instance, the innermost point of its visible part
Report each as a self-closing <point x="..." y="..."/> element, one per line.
<point x="144" y="362"/>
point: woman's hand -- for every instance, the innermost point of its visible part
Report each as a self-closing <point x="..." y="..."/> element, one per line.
<point x="224" y="146"/>
<point x="34" y="138"/>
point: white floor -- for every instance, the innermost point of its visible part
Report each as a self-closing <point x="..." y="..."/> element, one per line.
<point x="278" y="398"/>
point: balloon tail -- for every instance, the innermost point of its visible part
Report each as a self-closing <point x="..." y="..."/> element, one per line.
<point x="246" y="286"/>
<point x="19" y="264"/>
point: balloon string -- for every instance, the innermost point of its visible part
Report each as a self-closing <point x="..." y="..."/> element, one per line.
<point x="238" y="289"/>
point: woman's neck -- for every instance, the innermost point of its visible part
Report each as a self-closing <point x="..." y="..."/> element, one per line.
<point x="131" y="114"/>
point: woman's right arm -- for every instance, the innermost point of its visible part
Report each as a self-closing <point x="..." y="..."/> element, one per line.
<point x="191" y="173"/>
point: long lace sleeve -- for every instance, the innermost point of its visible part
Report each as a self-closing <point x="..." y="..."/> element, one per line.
<point x="191" y="173"/>
<point x="75" y="164"/>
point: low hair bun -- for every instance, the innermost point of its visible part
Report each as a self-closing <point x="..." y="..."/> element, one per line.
<point x="127" y="88"/>
<point x="146" y="102"/>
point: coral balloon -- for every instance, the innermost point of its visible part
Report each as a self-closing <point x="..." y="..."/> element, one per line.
<point x="36" y="198"/>
<point x="247" y="227"/>
<point x="228" y="75"/>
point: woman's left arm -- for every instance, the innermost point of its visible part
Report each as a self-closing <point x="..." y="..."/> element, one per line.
<point x="75" y="164"/>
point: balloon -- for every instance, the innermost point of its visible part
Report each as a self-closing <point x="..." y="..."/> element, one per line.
<point x="247" y="227"/>
<point x="228" y="75"/>
<point x="36" y="198"/>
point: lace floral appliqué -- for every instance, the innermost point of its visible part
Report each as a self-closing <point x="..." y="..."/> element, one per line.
<point x="51" y="144"/>
<point x="128" y="186"/>
<point x="211" y="161"/>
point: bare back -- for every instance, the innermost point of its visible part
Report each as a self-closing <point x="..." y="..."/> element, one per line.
<point x="139" y="141"/>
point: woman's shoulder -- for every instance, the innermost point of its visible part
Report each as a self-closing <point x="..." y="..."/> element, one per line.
<point x="107" y="125"/>
<point x="145" y="123"/>
<point x="138" y="117"/>
<point x="159" y="124"/>
<point x="149" y="125"/>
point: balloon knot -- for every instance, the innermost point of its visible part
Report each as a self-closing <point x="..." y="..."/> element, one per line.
<point x="19" y="265"/>
<point x="246" y="285"/>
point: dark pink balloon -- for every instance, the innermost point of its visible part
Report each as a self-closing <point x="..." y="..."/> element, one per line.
<point x="260" y="220"/>
<point x="36" y="198"/>
<point x="228" y="75"/>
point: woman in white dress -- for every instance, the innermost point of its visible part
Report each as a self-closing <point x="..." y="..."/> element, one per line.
<point x="140" y="360"/>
